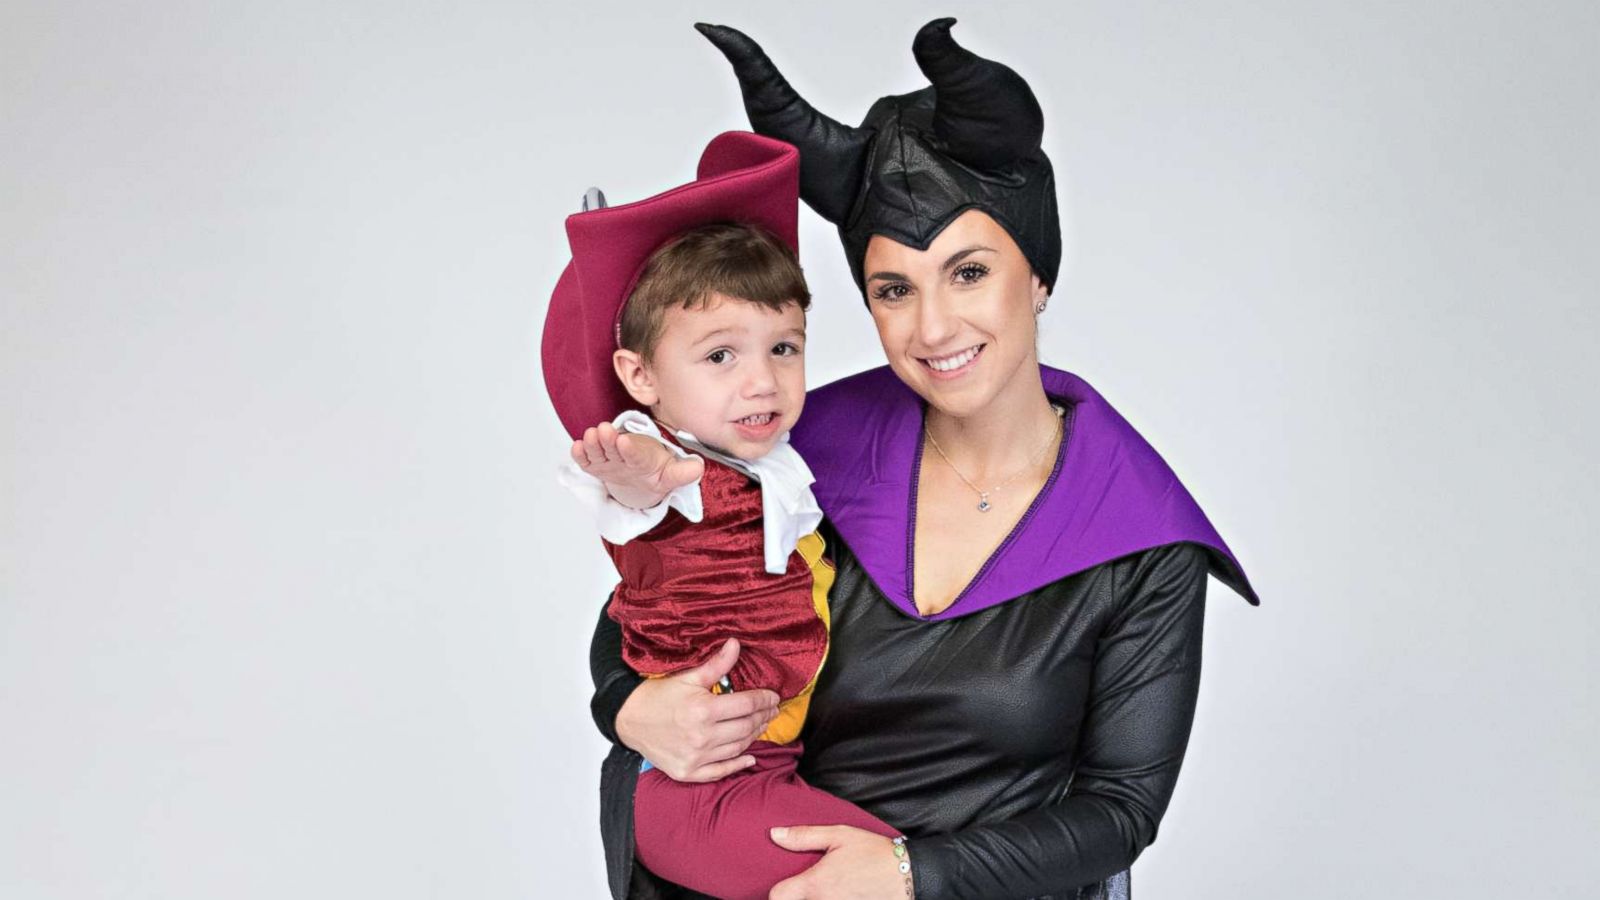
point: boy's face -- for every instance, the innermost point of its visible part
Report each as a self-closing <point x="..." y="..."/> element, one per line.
<point x="731" y="373"/>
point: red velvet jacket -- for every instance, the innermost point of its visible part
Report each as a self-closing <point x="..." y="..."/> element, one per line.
<point x="688" y="586"/>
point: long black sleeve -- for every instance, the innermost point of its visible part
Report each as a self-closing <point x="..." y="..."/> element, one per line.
<point x="613" y="680"/>
<point x="1029" y="749"/>
<point x="1146" y="679"/>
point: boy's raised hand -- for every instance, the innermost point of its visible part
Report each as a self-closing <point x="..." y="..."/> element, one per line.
<point x="638" y="471"/>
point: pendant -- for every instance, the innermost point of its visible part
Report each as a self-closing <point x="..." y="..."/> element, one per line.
<point x="983" y="503"/>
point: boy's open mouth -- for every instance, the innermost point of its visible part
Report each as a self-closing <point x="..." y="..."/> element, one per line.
<point x="758" y="426"/>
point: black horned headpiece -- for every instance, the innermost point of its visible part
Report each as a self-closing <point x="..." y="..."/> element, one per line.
<point x="918" y="160"/>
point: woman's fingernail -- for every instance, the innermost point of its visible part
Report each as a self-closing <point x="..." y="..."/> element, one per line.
<point x="779" y="834"/>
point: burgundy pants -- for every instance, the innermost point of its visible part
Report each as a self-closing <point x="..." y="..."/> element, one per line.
<point x="713" y="838"/>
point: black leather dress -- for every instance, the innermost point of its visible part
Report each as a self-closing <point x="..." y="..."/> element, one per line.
<point x="1028" y="750"/>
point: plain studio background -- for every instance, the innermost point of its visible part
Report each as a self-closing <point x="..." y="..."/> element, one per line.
<point x="290" y="605"/>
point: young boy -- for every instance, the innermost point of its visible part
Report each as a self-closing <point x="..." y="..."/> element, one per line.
<point x="691" y="305"/>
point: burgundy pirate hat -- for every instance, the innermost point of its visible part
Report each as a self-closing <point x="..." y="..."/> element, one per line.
<point x="742" y="178"/>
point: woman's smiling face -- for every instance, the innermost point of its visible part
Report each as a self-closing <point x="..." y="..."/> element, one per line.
<point x="956" y="320"/>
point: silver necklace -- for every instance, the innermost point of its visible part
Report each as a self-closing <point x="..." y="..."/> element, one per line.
<point x="983" y="495"/>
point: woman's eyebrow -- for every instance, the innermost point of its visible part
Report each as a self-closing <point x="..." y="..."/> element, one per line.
<point x="959" y="255"/>
<point x="949" y="264"/>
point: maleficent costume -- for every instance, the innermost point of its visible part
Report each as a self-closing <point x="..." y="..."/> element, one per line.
<point x="1027" y="738"/>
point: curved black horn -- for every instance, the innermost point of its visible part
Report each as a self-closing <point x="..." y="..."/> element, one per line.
<point x="832" y="155"/>
<point x="984" y="112"/>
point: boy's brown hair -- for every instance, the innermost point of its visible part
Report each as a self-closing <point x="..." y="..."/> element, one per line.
<point x="741" y="262"/>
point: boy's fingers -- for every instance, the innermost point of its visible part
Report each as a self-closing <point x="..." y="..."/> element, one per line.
<point x="683" y="471"/>
<point x="608" y="441"/>
<point x="629" y="448"/>
<point x="645" y="455"/>
<point x="591" y="447"/>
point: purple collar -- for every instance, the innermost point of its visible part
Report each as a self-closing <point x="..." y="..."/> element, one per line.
<point x="1110" y="494"/>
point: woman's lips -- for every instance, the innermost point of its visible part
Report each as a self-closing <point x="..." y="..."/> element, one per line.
<point x="956" y="364"/>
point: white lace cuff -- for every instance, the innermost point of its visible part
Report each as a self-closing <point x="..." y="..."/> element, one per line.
<point x="620" y="524"/>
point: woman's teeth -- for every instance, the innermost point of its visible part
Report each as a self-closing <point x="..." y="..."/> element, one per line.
<point x="949" y="363"/>
<point x="761" y="419"/>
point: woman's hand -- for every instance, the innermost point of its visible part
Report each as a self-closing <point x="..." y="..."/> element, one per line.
<point x="689" y="733"/>
<point x="856" y="865"/>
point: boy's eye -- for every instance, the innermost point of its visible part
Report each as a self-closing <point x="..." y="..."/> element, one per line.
<point x="786" y="348"/>
<point x="718" y="357"/>
<point x="970" y="273"/>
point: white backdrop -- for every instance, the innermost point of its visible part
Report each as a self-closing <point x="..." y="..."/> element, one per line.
<point x="289" y="605"/>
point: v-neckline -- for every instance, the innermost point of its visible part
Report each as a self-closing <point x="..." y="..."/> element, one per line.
<point x="1016" y="529"/>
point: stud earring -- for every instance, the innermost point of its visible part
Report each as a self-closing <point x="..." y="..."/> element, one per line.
<point x="1040" y="308"/>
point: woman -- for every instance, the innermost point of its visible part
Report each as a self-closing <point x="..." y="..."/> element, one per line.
<point x="1018" y="610"/>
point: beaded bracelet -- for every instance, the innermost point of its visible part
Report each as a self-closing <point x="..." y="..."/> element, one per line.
<point x="903" y="854"/>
